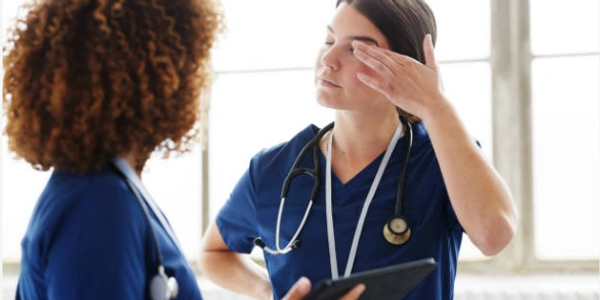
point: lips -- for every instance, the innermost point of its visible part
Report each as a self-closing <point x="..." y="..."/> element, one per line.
<point x="327" y="82"/>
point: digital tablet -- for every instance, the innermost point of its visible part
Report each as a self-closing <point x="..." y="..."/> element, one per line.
<point x="388" y="283"/>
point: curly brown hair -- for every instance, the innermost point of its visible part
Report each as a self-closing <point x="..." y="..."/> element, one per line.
<point x="87" y="80"/>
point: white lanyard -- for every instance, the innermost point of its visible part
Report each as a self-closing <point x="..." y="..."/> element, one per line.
<point x="126" y="169"/>
<point x="363" y="214"/>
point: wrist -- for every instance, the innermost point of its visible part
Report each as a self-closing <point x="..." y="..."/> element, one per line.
<point x="441" y="109"/>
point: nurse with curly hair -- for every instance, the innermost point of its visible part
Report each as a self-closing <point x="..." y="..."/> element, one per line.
<point x="91" y="89"/>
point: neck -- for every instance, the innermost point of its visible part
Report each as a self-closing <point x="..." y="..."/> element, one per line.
<point x="357" y="142"/>
<point x="131" y="160"/>
<point x="364" y="137"/>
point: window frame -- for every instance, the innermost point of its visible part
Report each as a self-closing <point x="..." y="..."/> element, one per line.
<point x="511" y="60"/>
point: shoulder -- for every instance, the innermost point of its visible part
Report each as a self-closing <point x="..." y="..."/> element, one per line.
<point x="97" y="189"/>
<point x="73" y="203"/>
<point x="422" y="148"/>
<point x="420" y="136"/>
<point x="284" y="152"/>
<point x="86" y="228"/>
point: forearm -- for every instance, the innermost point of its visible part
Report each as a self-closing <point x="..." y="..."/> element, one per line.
<point x="236" y="272"/>
<point x="479" y="196"/>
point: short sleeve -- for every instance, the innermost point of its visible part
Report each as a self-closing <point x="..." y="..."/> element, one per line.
<point x="96" y="252"/>
<point x="236" y="220"/>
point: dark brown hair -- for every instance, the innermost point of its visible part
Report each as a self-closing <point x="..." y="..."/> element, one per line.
<point x="404" y="23"/>
<point x="87" y="80"/>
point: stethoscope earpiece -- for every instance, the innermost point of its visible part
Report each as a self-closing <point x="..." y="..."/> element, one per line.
<point x="292" y="246"/>
<point x="396" y="231"/>
<point x="259" y="243"/>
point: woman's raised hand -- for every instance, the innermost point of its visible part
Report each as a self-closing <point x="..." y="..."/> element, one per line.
<point x="409" y="84"/>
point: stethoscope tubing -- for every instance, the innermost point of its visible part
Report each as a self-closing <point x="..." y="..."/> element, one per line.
<point x="288" y="247"/>
<point x="315" y="174"/>
<point x="293" y="173"/>
<point x="406" y="156"/>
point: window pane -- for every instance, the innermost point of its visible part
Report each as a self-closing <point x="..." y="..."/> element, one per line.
<point x="564" y="26"/>
<point x="9" y="13"/>
<point x="463" y="28"/>
<point x="176" y="186"/>
<point x="21" y="187"/>
<point x="468" y="86"/>
<point x="267" y="34"/>
<point x="469" y="252"/>
<point x="262" y="110"/>
<point x="566" y="157"/>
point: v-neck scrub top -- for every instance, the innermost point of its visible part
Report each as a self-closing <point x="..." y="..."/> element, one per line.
<point x="252" y="208"/>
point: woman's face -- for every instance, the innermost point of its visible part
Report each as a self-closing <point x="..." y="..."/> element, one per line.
<point x="337" y="85"/>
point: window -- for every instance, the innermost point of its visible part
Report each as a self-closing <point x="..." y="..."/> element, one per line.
<point x="565" y="129"/>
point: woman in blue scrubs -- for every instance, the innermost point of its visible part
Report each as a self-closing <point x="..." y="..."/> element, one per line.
<point x="377" y="70"/>
<point x="91" y="89"/>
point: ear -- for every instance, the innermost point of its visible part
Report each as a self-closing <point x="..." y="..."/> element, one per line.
<point x="429" y="52"/>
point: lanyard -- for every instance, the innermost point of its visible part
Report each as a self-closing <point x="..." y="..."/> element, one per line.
<point x="363" y="214"/>
<point x="130" y="175"/>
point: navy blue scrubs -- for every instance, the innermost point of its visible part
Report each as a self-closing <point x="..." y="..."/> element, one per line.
<point x="88" y="238"/>
<point x="251" y="211"/>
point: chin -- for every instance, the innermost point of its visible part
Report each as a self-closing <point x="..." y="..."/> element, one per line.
<point x="326" y="100"/>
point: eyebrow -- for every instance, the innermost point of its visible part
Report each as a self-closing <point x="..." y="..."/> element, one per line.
<point x="362" y="38"/>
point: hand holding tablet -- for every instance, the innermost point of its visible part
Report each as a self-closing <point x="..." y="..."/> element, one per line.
<point x="388" y="283"/>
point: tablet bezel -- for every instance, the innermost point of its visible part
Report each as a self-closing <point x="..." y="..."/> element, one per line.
<point x="392" y="282"/>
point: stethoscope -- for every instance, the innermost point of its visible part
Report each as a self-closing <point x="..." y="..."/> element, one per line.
<point x="396" y="231"/>
<point x="162" y="287"/>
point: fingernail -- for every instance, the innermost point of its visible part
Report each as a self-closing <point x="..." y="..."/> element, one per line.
<point x="358" y="53"/>
<point x="303" y="285"/>
<point x="361" y="289"/>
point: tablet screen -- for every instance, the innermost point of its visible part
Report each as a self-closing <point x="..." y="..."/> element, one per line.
<point x="388" y="283"/>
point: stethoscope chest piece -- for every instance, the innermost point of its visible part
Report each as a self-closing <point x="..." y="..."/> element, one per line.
<point x="396" y="231"/>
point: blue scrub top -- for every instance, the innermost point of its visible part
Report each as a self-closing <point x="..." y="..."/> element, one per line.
<point x="251" y="211"/>
<point x="88" y="238"/>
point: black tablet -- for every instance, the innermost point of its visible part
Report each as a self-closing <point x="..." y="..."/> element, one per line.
<point x="388" y="283"/>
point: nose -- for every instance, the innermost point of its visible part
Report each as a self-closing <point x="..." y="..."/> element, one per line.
<point x="330" y="58"/>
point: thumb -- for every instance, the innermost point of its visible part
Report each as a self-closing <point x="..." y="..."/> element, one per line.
<point x="299" y="290"/>
<point x="428" y="50"/>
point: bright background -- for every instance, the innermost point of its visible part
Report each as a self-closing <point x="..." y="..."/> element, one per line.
<point x="263" y="94"/>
